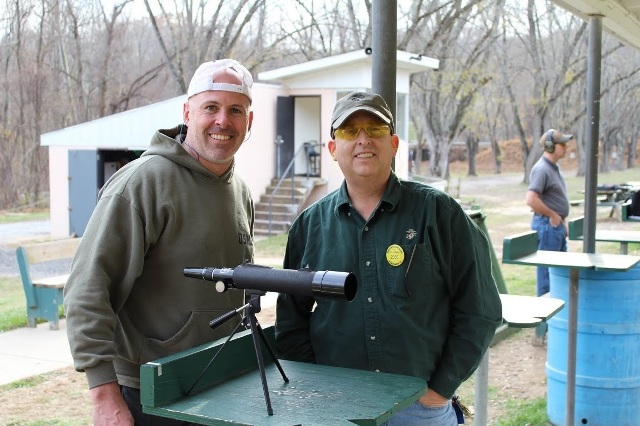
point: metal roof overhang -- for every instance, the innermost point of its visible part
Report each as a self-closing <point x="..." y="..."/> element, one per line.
<point x="620" y="18"/>
<point x="406" y="61"/>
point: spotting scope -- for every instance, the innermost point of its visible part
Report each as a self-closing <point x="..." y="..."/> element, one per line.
<point x="302" y="282"/>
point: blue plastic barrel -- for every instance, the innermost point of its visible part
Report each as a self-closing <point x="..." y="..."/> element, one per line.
<point x="607" y="353"/>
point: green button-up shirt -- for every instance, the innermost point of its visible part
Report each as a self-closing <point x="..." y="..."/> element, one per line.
<point x="426" y="304"/>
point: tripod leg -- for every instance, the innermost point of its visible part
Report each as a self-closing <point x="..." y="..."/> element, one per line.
<point x="213" y="358"/>
<point x="256" y="344"/>
<point x="273" y="355"/>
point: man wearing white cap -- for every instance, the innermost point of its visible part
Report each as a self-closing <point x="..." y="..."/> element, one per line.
<point x="180" y="204"/>
<point x="547" y="197"/>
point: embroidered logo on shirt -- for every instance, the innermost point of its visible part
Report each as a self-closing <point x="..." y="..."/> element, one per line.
<point x="411" y="234"/>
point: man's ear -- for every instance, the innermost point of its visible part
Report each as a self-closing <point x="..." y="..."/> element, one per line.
<point x="395" y="142"/>
<point x="185" y="112"/>
<point x="331" y="146"/>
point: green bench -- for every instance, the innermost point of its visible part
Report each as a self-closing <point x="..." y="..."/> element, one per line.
<point x="622" y="236"/>
<point x="44" y="295"/>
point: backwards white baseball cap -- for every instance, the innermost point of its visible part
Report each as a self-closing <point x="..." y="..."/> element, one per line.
<point x="205" y="78"/>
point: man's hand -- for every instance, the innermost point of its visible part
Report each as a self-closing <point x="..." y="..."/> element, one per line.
<point x="534" y="201"/>
<point x="433" y="399"/>
<point x="555" y="219"/>
<point x="109" y="407"/>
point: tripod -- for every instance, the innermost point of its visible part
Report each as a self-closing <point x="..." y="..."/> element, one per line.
<point x="250" y="309"/>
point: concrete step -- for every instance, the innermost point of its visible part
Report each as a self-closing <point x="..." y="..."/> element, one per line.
<point x="285" y="190"/>
<point x="261" y="227"/>
<point x="277" y="207"/>
<point x="282" y="199"/>
<point x="275" y="216"/>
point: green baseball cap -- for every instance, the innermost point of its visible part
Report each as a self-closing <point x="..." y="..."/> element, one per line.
<point x="360" y="101"/>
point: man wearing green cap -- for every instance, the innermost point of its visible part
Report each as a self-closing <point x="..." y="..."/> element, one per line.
<point x="426" y="303"/>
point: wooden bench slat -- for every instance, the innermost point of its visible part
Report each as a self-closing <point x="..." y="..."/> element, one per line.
<point x="51" y="250"/>
<point x="57" y="281"/>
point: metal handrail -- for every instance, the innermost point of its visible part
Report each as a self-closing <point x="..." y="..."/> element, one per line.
<point x="290" y="166"/>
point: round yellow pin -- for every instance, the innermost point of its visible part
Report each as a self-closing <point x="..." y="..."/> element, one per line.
<point x="395" y="255"/>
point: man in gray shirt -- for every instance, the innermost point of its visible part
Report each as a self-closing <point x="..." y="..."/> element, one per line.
<point x="547" y="197"/>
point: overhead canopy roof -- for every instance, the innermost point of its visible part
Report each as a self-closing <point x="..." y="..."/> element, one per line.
<point x="619" y="17"/>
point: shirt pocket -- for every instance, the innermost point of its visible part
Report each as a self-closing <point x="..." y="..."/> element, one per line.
<point x="415" y="277"/>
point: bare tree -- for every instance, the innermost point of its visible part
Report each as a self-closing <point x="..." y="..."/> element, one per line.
<point x="555" y="67"/>
<point x="69" y="61"/>
<point x="442" y="99"/>
<point x="187" y="38"/>
<point x="617" y="108"/>
<point x="472" y="142"/>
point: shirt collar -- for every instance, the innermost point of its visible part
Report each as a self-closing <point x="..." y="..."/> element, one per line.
<point x="390" y="197"/>
<point x="551" y="163"/>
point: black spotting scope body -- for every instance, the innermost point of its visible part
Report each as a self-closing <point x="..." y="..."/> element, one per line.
<point x="303" y="282"/>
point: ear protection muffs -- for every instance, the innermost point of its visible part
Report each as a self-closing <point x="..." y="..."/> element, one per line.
<point x="549" y="146"/>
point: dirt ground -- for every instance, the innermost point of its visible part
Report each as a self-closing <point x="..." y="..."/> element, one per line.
<point x="516" y="368"/>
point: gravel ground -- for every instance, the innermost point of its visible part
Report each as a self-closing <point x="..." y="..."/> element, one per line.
<point x="14" y="234"/>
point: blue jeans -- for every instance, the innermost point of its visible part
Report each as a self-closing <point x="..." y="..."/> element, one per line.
<point x="132" y="398"/>
<point x="549" y="238"/>
<point x="420" y="415"/>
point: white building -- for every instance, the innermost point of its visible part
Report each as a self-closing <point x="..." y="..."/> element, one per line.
<point x="291" y="104"/>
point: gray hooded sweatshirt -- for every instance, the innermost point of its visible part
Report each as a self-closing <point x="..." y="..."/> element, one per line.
<point x="127" y="301"/>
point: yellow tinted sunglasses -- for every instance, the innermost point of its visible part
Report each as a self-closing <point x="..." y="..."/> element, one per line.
<point x="351" y="133"/>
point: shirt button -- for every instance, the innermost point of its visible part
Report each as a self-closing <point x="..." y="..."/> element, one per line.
<point x="367" y="263"/>
<point x="370" y="300"/>
<point x="366" y="228"/>
<point x="373" y="337"/>
<point x="377" y="370"/>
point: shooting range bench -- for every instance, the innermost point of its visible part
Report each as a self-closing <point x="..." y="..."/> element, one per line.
<point x="622" y="236"/>
<point x="522" y="249"/>
<point x="228" y="391"/>
<point x="44" y="295"/>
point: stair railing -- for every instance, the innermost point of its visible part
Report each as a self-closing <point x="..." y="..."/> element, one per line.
<point x="290" y="167"/>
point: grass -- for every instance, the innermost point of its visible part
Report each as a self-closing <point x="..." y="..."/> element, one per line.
<point x="12" y="304"/>
<point x="29" y="382"/>
<point x="273" y="246"/>
<point x="9" y="217"/>
<point x="525" y="413"/>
